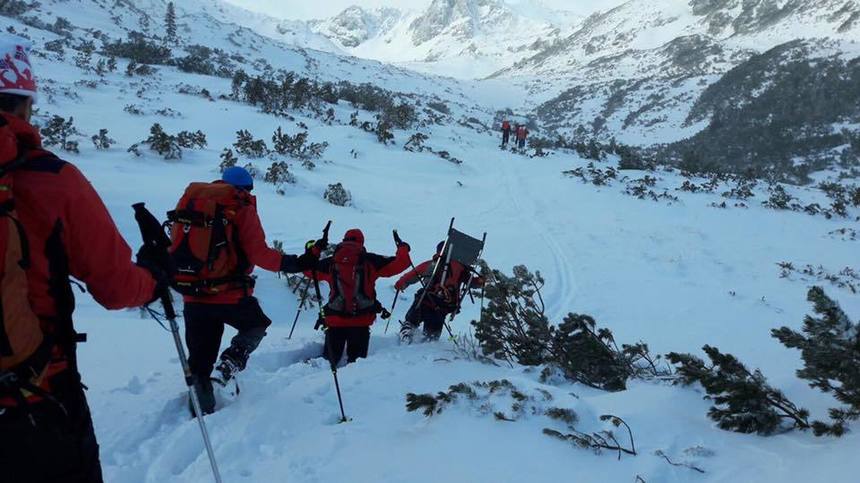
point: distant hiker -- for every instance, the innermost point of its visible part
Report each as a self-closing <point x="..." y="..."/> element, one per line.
<point x="53" y="226"/>
<point x="351" y="273"/>
<point x="442" y="298"/>
<point x="522" y="134"/>
<point x="217" y="240"/>
<point x="506" y="133"/>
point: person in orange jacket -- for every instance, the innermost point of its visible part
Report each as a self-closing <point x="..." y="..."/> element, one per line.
<point x="46" y="431"/>
<point x="506" y="133"/>
<point x="351" y="273"/>
<point x="228" y="298"/>
<point x="522" y="134"/>
<point x="442" y="298"/>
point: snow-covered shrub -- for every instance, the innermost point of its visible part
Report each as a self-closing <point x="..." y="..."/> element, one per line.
<point x="133" y="109"/>
<point x="447" y="157"/>
<point x="383" y="131"/>
<point x="102" y="141"/>
<point x="743" y="189"/>
<point x="297" y="147"/>
<point x="594" y="175"/>
<point x="779" y="198"/>
<point x="248" y="146"/>
<point x="400" y="116"/>
<point x="164" y="144"/>
<point x="508" y="403"/>
<point x="830" y="348"/>
<point x="13" y="8"/>
<point x="416" y="143"/>
<point x="743" y="401"/>
<point x="58" y="131"/>
<point x="588" y="355"/>
<point x="337" y="195"/>
<point x="143" y="70"/>
<point x="201" y="60"/>
<point x="278" y="173"/>
<point x="191" y="140"/>
<point x="597" y="441"/>
<point x="228" y="159"/>
<point x="139" y="49"/>
<point x="513" y="326"/>
<point x="540" y="145"/>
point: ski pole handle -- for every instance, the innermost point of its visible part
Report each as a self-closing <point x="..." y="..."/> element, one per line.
<point x="325" y="231"/>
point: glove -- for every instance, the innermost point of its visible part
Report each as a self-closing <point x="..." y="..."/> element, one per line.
<point x="399" y="242"/>
<point x="160" y="265"/>
<point x="399" y="286"/>
<point x="316" y="247"/>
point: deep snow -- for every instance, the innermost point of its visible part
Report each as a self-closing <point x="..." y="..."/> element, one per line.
<point x="676" y="276"/>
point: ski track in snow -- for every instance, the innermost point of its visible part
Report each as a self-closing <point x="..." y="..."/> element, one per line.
<point x="562" y="293"/>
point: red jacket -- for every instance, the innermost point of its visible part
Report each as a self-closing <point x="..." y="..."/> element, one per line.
<point x="379" y="267"/>
<point x="67" y="223"/>
<point x="252" y="242"/>
<point x="522" y="132"/>
<point x="458" y="275"/>
<point x="506" y="126"/>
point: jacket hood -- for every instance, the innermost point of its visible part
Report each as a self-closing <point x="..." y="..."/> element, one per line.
<point x="354" y="235"/>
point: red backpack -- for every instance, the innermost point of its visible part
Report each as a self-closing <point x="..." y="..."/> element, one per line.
<point x="446" y="294"/>
<point x="203" y="240"/>
<point x="352" y="294"/>
<point x="24" y="353"/>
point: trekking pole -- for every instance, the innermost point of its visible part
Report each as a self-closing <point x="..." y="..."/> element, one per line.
<point x="299" y="310"/>
<point x="153" y="235"/>
<point x="321" y="322"/>
<point x="393" y="304"/>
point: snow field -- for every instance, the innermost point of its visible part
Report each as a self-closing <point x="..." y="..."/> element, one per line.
<point x="647" y="270"/>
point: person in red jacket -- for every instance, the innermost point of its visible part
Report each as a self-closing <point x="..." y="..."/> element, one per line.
<point x="351" y="273"/>
<point x="506" y="133"/>
<point x="69" y="234"/>
<point x="233" y="303"/>
<point x="442" y="298"/>
<point x="522" y="134"/>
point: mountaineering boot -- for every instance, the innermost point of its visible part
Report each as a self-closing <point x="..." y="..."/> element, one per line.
<point x="233" y="360"/>
<point x="203" y="388"/>
<point x="431" y="336"/>
<point x="406" y="332"/>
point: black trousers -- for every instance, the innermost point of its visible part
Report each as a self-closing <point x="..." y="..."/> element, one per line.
<point x="432" y="317"/>
<point x="204" y="326"/>
<point x="506" y="136"/>
<point x="356" y="341"/>
<point x="521" y="143"/>
<point x="61" y="447"/>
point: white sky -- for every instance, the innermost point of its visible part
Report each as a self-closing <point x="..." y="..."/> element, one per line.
<point x="310" y="9"/>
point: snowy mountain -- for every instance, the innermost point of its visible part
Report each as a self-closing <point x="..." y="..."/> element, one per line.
<point x="660" y="256"/>
<point x="460" y="38"/>
<point x="634" y="72"/>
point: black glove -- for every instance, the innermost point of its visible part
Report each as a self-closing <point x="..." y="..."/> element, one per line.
<point x="160" y="265"/>
<point x="399" y="242"/>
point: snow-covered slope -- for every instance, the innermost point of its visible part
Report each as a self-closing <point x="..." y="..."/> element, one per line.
<point x="635" y="71"/>
<point x="676" y="275"/>
<point x="460" y="38"/>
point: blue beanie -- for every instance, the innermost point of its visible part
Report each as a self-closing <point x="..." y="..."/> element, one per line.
<point x="238" y="177"/>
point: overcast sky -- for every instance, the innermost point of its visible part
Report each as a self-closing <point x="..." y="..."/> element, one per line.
<point x="309" y="9"/>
